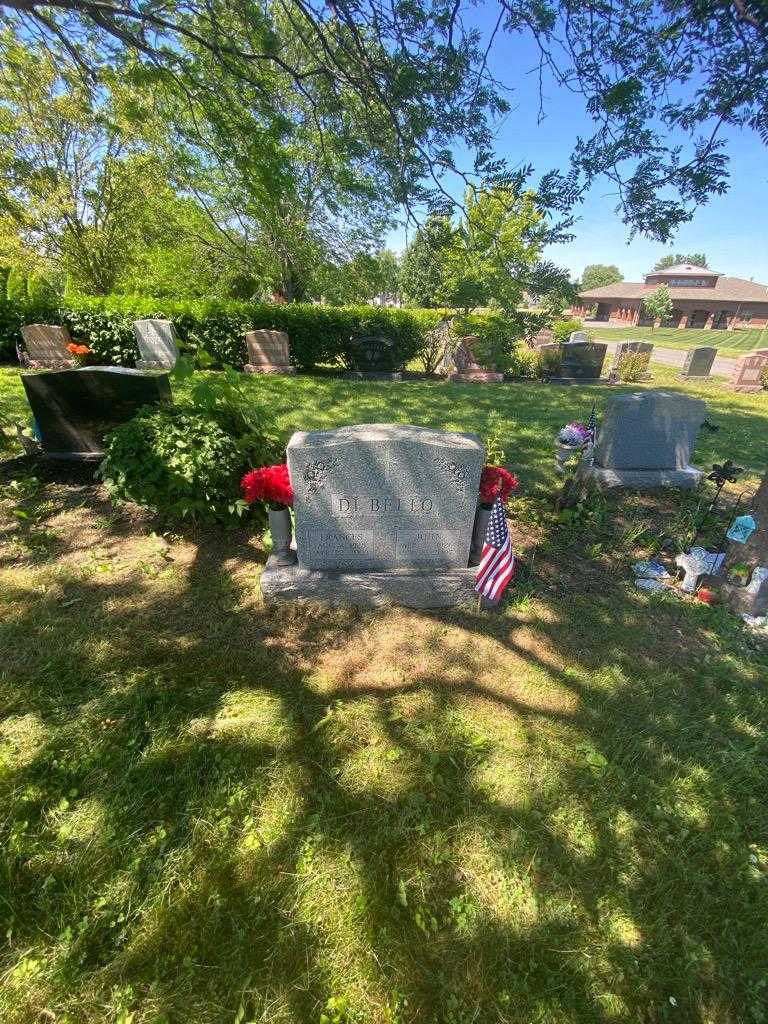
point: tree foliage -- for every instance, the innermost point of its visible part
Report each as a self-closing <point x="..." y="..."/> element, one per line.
<point x="597" y="275"/>
<point x="698" y="259"/>
<point x="658" y="304"/>
<point x="421" y="276"/>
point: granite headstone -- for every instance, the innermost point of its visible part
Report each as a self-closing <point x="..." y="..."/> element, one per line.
<point x="45" y="347"/>
<point x="373" y="356"/>
<point x="577" y="336"/>
<point x="747" y="370"/>
<point x="268" y="352"/>
<point x="74" y="409"/>
<point x="630" y="348"/>
<point x="157" y="344"/>
<point x="468" y="369"/>
<point x="582" y="360"/>
<point x="698" y="361"/>
<point x="646" y="440"/>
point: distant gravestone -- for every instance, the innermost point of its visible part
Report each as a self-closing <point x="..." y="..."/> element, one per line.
<point x="468" y="370"/>
<point x="698" y="361"/>
<point x="45" y="347"/>
<point x="626" y="348"/>
<point x="383" y="513"/>
<point x="157" y="344"/>
<point x="746" y="373"/>
<point x="268" y="352"/>
<point x="74" y="409"/>
<point x="577" y="336"/>
<point x="646" y="440"/>
<point x="373" y="356"/>
<point x="582" y="360"/>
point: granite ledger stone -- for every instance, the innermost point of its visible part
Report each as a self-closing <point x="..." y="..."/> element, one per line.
<point x="74" y="409"/>
<point x="381" y="497"/>
<point x="157" y="344"/>
<point x="646" y="440"/>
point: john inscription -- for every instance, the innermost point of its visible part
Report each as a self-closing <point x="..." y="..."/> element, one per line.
<point x="389" y="497"/>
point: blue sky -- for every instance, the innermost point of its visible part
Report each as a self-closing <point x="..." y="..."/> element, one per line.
<point x="730" y="229"/>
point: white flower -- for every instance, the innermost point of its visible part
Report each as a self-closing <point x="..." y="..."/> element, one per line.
<point x="672" y="1001"/>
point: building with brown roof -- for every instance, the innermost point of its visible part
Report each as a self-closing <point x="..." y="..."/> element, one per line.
<point x="701" y="298"/>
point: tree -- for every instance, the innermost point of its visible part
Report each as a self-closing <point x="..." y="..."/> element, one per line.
<point x="16" y="286"/>
<point x="597" y="275"/>
<point x="658" y="305"/>
<point x="421" y="274"/>
<point x="408" y="83"/>
<point x="698" y="259"/>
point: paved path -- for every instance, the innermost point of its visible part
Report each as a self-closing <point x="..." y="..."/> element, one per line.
<point x="676" y="357"/>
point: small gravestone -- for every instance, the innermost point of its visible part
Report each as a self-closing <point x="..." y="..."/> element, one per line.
<point x="468" y="370"/>
<point x="268" y="352"/>
<point x="384" y="513"/>
<point x="373" y="357"/>
<point x="581" y="360"/>
<point x="577" y="336"/>
<point x="45" y="347"/>
<point x="646" y="441"/>
<point x="157" y="344"/>
<point x="644" y="349"/>
<point x="698" y="362"/>
<point x="74" y="409"/>
<point x="746" y="373"/>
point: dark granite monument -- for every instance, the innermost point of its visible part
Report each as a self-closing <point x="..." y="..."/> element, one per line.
<point x="582" y="360"/>
<point x="698" y="362"/>
<point x="74" y="409"/>
<point x="374" y="357"/>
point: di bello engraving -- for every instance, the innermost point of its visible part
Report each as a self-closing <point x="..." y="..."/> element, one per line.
<point x="366" y="505"/>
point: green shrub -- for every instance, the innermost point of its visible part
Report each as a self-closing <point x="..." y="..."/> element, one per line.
<point x="633" y="366"/>
<point x="16" y="286"/>
<point x="4" y="271"/>
<point x="185" y="462"/>
<point x="548" y="362"/>
<point x="40" y="290"/>
<point x="562" y="329"/>
<point x="501" y="337"/>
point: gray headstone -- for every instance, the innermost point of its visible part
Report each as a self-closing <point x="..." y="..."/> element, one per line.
<point x="46" y="346"/>
<point x="381" y="496"/>
<point x="583" y="360"/>
<point x="157" y="344"/>
<point x="698" y="361"/>
<point x="652" y="430"/>
<point x="625" y="348"/>
<point x="575" y="336"/>
<point x="74" y="409"/>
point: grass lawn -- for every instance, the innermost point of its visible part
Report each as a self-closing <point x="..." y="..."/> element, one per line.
<point x="729" y="343"/>
<point x="218" y="812"/>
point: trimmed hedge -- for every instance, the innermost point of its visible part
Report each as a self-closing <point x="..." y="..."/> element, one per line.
<point x="319" y="335"/>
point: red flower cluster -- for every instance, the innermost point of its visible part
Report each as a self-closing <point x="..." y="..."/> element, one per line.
<point x="495" y="481"/>
<point x="78" y="350"/>
<point x="270" y="483"/>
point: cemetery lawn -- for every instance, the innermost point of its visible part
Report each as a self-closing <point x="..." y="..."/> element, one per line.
<point x="728" y="343"/>
<point x="218" y="812"/>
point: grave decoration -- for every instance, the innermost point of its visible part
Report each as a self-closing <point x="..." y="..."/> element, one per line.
<point x="373" y="357"/>
<point x="74" y="409"/>
<point x="268" y="352"/>
<point x="79" y="352"/>
<point x="496" y="482"/>
<point x="46" y="347"/>
<point x="646" y="440"/>
<point x="272" y="485"/>
<point x="157" y="344"/>
<point x="745" y="587"/>
<point x="384" y="513"/>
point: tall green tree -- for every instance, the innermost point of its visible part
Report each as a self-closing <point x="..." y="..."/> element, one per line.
<point x="658" y="304"/>
<point x="597" y="275"/>
<point x="423" y="266"/>
<point x="698" y="259"/>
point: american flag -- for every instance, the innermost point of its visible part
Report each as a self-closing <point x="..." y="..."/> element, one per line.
<point x="497" y="562"/>
<point x="592" y="422"/>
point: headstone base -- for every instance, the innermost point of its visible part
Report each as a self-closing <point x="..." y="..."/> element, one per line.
<point x="475" y="376"/>
<point x="746" y="388"/>
<point x="371" y="375"/>
<point x="641" y="479"/>
<point x="577" y="380"/>
<point x="150" y="364"/>
<point x="269" y="368"/>
<point x="434" y="589"/>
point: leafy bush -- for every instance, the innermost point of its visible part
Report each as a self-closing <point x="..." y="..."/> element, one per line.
<point x="501" y="338"/>
<point x="16" y="286"/>
<point x="186" y="461"/>
<point x="41" y="291"/>
<point x="632" y="366"/>
<point x="548" y="362"/>
<point x="562" y="329"/>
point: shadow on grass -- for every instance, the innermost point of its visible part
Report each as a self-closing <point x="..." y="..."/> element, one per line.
<point x="544" y="815"/>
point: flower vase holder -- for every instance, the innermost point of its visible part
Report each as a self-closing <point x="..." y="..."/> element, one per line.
<point x="479" y="530"/>
<point x="281" y="530"/>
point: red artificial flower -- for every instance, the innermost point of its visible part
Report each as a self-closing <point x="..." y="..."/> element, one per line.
<point x="496" y="482"/>
<point x="77" y="350"/>
<point x="270" y="483"/>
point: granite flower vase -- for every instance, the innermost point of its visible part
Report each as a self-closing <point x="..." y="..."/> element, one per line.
<point x="479" y="530"/>
<point x="282" y="534"/>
